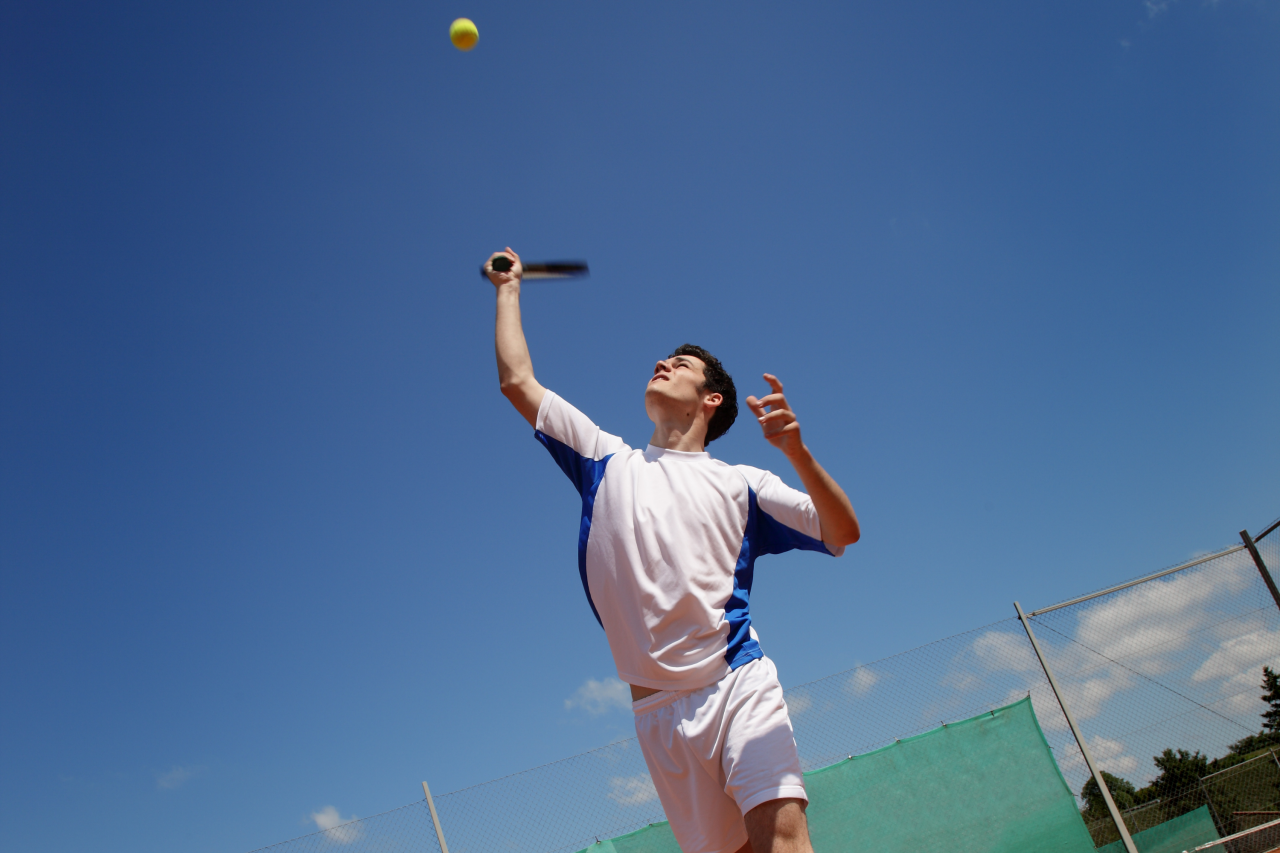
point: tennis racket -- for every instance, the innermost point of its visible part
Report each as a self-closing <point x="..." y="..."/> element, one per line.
<point x="544" y="269"/>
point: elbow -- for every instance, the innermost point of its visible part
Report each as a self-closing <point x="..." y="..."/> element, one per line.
<point x="841" y="532"/>
<point x="850" y="533"/>
<point x="512" y="388"/>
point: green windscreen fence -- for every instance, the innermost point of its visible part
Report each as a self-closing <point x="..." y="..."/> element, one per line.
<point x="988" y="784"/>
<point x="1185" y="832"/>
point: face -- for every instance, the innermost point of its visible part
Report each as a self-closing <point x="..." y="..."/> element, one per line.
<point x="677" y="384"/>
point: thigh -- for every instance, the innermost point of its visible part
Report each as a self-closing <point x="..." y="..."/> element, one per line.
<point x="778" y="826"/>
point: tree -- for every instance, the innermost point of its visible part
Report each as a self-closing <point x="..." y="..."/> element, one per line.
<point x="1270" y="734"/>
<point x="1122" y="792"/>
<point x="1179" y="772"/>
<point x="1271" y="695"/>
<point x="1246" y="745"/>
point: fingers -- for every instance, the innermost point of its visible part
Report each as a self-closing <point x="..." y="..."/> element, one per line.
<point x="499" y="277"/>
<point x="776" y="421"/>
<point x="779" y="424"/>
<point x="777" y="401"/>
<point x="488" y="265"/>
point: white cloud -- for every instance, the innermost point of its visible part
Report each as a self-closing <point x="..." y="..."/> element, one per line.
<point x="1146" y="628"/>
<point x="338" y="829"/>
<point x="798" y="704"/>
<point x="861" y="682"/>
<point x="600" y="697"/>
<point x="1047" y="709"/>
<point x="176" y="777"/>
<point x="632" y="790"/>
<point x="1238" y="663"/>
<point x="1186" y="630"/>
<point x="1239" y="654"/>
<point x="1156" y="7"/>
<point x="1155" y="617"/>
<point x="1005" y="652"/>
<point x="1109" y="755"/>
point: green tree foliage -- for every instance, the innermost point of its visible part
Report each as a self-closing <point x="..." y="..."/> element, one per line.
<point x="1245" y="746"/>
<point x="1178" y="784"/>
<point x="1269" y="737"/>
<point x="1122" y="791"/>
<point x="1271" y="695"/>
<point x="1176" y="789"/>
<point x="1179" y="771"/>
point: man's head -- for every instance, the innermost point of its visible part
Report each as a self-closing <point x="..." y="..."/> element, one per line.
<point x="691" y="380"/>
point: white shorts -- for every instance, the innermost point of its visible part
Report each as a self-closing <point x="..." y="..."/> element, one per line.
<point x="717" y="752"/>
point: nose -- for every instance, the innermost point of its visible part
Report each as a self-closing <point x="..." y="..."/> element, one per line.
<point x="661" y="367"/>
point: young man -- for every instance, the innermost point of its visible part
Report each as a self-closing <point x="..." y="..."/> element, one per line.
<point x="666" y="551"/>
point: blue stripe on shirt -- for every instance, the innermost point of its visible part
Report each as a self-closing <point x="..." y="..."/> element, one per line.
<point x="585" y="474"/>
<point x="764" y="535"/>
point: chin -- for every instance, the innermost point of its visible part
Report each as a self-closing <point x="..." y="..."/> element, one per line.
<point x="657" y="391"/>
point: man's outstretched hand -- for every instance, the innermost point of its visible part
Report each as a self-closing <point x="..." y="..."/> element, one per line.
<point x="779" y="423"/>
<point x="835" y="513"/>
<point x="501" y="278"/>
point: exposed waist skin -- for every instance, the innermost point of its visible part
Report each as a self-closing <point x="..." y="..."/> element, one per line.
<point x="638" y="693"/>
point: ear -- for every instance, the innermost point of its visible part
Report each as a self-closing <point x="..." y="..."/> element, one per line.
<point x="713" y="400"/>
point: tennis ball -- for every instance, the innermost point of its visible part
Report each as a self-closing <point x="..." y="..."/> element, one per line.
<point x="463" y="34"/>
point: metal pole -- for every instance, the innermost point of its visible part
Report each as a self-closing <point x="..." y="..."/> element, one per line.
<point x="1075" y="730"/>
<point x="1263" y="534"/>
<point x="1181" y="567"/>
<point x="1222" y="827"/>
<point x="444" y="848"/>
<point x="1262" y="567"/>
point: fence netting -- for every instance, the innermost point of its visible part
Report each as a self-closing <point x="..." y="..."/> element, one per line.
<point x="1163" y="677"/>
<point x="407" y="829"/>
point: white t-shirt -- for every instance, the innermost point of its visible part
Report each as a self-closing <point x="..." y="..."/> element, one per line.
<point x="667" y="548"/>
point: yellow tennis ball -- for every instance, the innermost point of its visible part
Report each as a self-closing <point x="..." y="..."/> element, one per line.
<point x="463" y="34"/>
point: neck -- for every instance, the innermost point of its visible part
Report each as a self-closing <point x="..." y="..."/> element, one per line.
<point x="685" y="437"/>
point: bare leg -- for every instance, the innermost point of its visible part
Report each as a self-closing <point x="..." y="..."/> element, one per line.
<point x="778" y="826"/>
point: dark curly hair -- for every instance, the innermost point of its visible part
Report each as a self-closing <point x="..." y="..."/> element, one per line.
<point x="718" y="381"/>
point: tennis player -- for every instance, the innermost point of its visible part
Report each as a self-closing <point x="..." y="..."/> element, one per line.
<point x="666" y="550"/>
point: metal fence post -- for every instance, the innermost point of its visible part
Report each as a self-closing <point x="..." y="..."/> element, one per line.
<point x="1262" y="567"/>
<point x="1222" y="827"/>
<point x="444" y="848"/>
<point x="1084" y="750"/>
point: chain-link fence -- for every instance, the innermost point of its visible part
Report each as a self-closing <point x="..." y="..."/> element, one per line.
<point x="1245" y="795"/>
<point x="407" y="829"/>
<point x="1163" y="676"/>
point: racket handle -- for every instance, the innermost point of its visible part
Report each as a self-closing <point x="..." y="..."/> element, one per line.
<point x="549" y="269"/>
<point x="500" y="264"/>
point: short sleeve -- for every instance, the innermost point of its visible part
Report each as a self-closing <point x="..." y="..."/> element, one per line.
<point x="579" y="446"/>
<point x="788" y="507"/>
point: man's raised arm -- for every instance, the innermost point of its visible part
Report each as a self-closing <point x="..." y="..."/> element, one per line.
<point x="515" y="367"/>
<point x="782" y="430"/>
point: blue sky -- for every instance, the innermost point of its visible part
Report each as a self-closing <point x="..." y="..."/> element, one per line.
<point x="271" y="539"/>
